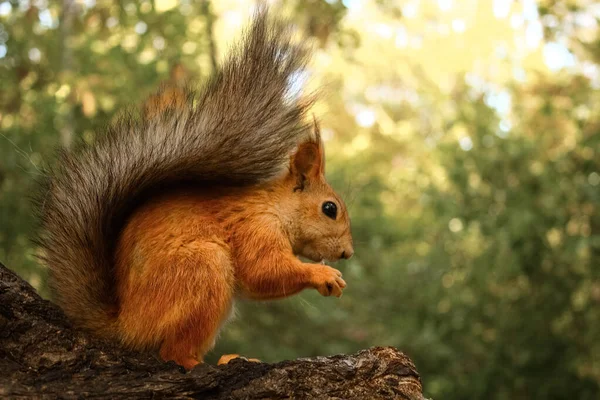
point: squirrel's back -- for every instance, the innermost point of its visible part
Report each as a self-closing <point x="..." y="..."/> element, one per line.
<point x="239" y="129"/>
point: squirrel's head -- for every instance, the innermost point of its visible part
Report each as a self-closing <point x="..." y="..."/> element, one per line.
<point x="319" y="224"/>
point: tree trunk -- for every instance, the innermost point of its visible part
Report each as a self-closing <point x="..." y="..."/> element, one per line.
<point x="42" y="356"/>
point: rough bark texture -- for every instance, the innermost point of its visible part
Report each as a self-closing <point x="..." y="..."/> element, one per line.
<point x="42" y="356"/>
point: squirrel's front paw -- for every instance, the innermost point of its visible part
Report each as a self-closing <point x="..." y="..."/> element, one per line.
<point x="328" y="281"/>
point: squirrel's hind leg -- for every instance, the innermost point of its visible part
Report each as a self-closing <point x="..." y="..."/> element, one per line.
<point x="206" y="287"/>
<point x="178" y="298"/>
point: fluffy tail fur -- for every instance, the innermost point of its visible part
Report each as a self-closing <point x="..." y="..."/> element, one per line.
<point x="240" y="129"/>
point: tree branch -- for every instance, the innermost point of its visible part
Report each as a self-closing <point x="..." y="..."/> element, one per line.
<point x="42" y="356"/>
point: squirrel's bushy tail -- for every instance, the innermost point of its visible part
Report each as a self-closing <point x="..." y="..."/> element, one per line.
<point x="240" y="129"/>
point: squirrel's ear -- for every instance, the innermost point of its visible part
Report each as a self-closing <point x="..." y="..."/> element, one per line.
<point x="309" y="160"/>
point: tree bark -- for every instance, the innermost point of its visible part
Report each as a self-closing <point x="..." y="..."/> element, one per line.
<point x="43" y="356"/>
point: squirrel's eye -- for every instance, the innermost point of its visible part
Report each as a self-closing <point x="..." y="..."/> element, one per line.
<point x="330" y="209"/>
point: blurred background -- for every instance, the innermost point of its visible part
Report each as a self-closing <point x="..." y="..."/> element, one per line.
<point x="464" y="135"/>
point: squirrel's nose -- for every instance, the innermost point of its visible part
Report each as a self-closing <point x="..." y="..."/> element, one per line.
<point x="347" y="253"/>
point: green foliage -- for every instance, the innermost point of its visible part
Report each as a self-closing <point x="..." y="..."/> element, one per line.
<point x="477" y="235"/>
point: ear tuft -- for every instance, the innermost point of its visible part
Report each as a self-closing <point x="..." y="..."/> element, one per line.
<point x="319" y="142"/>
<point x="308" y="161"/>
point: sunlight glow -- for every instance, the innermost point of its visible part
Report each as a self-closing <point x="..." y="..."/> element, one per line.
<point x="158" y="43"/>
<point x="111" y="22"/>
<point x="455" y="225"/>
<point x="35" y="55"/>
<point x="353" y="5"/>
<point x="5" y="9"/>
<point x="401" y="38"/>
<point x="411" y="9"/>
<point x="499" y="101"/>
<point x="530" y="10"/>
<point x="458" y="25"/>
<point x="519" y="74"/>
<point x="592" y="72"/>
<point x="164" y="5"/>
<point x="557" y="56"/>
<point x="465" y="143"/>
<point x="516" y="21"/>
<point x="365" y="118"/>
<point x="445" y="5"/>
<point x="89" y="3"/>
<point x="384" y="30"/>
<point x="502" y="8"/>
<point x="140" y="28"/>
<point x="46" y="19"/>
<point x="534" y="34"/>
<point x="505" y="127"/>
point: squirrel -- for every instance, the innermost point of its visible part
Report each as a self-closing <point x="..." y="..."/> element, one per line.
<point x="150" y="233"/>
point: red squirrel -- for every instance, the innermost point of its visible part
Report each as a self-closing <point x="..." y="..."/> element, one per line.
<point x="151" y="232"/>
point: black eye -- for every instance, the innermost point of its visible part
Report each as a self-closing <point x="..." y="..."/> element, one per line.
<point x="330" y="209"/>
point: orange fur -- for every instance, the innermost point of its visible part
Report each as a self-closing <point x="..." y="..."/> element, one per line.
<point x="163" y="275"/>
<point x="185" y="255"/>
